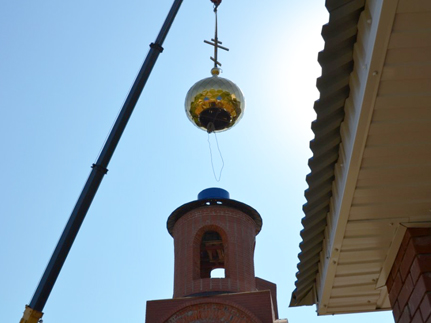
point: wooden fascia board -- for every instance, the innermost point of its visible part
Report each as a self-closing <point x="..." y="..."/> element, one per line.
<point x="391" y="255"/>
<point x="369" y="56"/>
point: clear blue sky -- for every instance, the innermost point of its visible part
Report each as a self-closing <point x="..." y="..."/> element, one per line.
<point x="65" y="70"/>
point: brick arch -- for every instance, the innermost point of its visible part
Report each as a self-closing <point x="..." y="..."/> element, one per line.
<point x="211" y="310"/>
<point x="197" y="244"/>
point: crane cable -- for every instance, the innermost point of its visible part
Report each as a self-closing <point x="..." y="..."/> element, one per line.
<point x="210" y="126"/>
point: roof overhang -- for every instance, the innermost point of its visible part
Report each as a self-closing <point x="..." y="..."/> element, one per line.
<point x="370" y="175"/>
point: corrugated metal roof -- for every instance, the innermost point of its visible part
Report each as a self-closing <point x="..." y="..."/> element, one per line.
<point x="336" y="61"/>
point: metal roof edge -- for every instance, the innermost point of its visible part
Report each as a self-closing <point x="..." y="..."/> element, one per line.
<point x="335" y="59"/>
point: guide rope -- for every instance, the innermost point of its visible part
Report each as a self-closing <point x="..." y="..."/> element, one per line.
<point x="216" y="4"/>
<point x="211" y="156"/>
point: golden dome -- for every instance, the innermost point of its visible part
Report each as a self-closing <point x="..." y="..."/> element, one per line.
<point x="214" y="103"/>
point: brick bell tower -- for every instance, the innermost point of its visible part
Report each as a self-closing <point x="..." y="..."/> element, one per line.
<point x="215" y="232"/>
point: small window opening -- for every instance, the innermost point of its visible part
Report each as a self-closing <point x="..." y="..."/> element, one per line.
<point x="211" y="253"/>
<point x="218" y="273"/>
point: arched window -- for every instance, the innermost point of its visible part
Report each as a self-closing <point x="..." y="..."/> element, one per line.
<point x="211" y="253"/>
<point x="218" y="273"/>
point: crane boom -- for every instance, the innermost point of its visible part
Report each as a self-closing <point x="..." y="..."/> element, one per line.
<point x="33" y="311"/>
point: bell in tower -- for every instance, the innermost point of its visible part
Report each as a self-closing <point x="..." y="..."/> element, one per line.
<point x="215" y="233"/>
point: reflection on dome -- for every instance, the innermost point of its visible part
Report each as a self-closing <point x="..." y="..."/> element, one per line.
<point x="214" y="104"/>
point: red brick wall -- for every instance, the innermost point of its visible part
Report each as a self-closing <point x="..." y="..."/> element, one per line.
<point x="238" y="232"/>
<point x="256" y="305"/>
<point x="409" y="283"/>
<point x="262" y="284"/>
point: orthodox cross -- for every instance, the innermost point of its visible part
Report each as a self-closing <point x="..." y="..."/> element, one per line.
<point x="215" y="42"/>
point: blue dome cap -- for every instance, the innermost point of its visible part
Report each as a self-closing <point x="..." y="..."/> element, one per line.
<point x="213" y="193"/>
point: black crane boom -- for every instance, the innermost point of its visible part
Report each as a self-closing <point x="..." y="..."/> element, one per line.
<point x="33" y="311"/>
